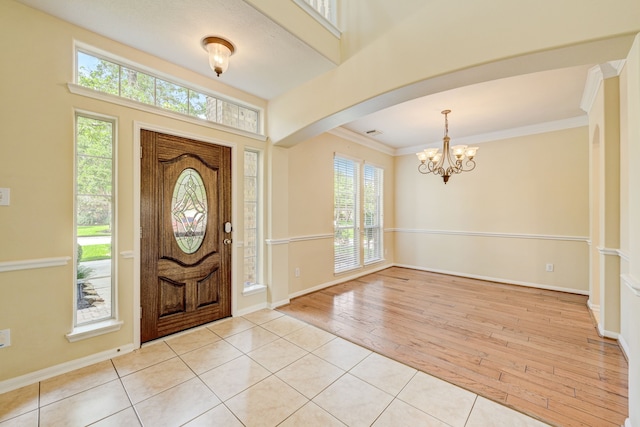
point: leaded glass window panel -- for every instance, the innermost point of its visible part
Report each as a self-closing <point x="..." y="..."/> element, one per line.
<point x="189" y="211"/>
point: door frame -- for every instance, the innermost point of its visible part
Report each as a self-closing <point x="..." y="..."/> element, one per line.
<point x="137" y="128"/>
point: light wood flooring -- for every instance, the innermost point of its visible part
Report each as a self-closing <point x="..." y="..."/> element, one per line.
<point x="534" y="350"/>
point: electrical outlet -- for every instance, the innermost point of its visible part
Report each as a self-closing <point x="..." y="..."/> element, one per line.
<point x="4" y="196"/>
<point x="5" y="338"/>
<point x="297" y="272"/>
<point x="550" y="267"/>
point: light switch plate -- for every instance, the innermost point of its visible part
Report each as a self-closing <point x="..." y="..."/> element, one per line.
<point x="4" y="196"/>
<point x="5" y="338"/>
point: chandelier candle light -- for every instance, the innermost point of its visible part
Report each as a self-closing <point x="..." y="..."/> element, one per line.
<point x="433" y="161"/>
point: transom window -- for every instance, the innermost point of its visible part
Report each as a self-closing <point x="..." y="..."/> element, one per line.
<point x="111" y="77"/>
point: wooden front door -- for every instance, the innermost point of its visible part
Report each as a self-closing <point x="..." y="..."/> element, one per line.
<point x="185" y="210"/>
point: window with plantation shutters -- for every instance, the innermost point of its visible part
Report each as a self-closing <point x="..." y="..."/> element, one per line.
<point x="346" y="214"/>
<point x="372" y="208"/>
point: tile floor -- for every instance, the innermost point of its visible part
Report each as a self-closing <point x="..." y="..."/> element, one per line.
<point x="263" y="369"/>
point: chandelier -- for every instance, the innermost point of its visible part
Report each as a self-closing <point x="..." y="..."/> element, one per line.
<point x="458" y="158"/>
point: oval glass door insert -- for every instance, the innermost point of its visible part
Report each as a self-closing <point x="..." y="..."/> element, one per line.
<point x="189" y="209"/>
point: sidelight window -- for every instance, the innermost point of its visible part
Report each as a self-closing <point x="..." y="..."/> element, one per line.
<point x="94" y="218"/>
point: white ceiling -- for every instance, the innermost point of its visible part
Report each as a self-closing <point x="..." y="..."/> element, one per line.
<point x="270" y="61"/>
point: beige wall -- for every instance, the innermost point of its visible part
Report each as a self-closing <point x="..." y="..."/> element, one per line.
<point x="525" y="205"/>
<point x="37" y="163"/>
<point x="403" y="60"/>
<point x="311" y="209"/>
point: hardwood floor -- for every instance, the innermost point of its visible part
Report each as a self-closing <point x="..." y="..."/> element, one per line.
<point x="534" y="350"/>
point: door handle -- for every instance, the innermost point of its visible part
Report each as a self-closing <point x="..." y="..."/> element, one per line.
<point x="227" y="241"/>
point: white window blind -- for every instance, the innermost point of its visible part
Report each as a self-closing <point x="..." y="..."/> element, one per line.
<point x="346" y="216"/>
<point x="373" y="231"/>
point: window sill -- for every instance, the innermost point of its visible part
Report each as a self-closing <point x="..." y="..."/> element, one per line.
<point x="253" y="289"/>
<point x="93" y="330"/>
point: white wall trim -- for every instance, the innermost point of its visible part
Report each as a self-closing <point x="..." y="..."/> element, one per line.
<point x="631" y="283"/>
<point x="607" y="334"/>
<point x="251" y="309"/>
<point x="363" y="140"/>
<point x="63" y="368"/>
<point x="488" y="234"/>
<point x="627" y="423"/>
<point x="280" y="303"/>
<point x="593" y="307"/>
<point x="496" y="279"/>
<point x="288" y="240"/>
<point x="624" y="346"/>
<point x="623" y="255"/>
<point x="595" y="76"/>
<point x="608" y="251"/>
<point x="28" y="264"/>
<point x="573" y="122"/>
<point x="126" y="254"/>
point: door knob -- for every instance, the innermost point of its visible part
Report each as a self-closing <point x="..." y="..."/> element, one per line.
<point x="227" y="241"/>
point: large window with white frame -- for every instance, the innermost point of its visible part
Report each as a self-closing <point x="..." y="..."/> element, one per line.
<point x="94" y="218"/>
<point x="373" y="213"/>
<point x="251" y="218"/>
<point x="358" y="200"/>
<point x="346" y="214"/>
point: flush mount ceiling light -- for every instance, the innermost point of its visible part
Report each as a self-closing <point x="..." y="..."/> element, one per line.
<point x="432" y="161"/>
<point x="219" y="52"/>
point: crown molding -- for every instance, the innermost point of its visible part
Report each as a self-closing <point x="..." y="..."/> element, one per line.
<point x="556" y="125"/>
<point x="595" y="76"/>
<point x="352" y="136"/>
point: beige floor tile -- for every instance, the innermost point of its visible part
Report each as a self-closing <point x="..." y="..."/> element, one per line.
<point x="310" y="338"/>
<point x="342" y="353"/>
<point x="311" y="415"/>
<point x="155" y="379"/>
<point x="218" y="416"/>
<point x="486" y="413"/>
<point x="231" y="326"/>
<point x="86" y="407"/>
<point x="234" y="377"/>
<point x="284" y="325"/>
<point x="177" y="405"/>
<point x="403" y="414"/>
<point x="210" y="356"/>
<point x="440" y="399"/>
<point x="262" y="316"/>
<point x="73" y="382"/>
<point x="30" y="419"/>
<point x="19" y="401"/>
<point x="353" y="401"/>
<point x="192" y="340"/>
<point x="251" y="339"/>
<point x="310" y="375"/>
<point x="126" y="418"/>
<point x="143" y="358"/>
<point x="384" y="373"/>
<point x="266" y="404"/>
<point x="277" y="354"/>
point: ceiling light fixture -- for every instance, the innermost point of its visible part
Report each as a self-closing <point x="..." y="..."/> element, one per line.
<point x="432" y="161"/>
<point x="219" y="52"/>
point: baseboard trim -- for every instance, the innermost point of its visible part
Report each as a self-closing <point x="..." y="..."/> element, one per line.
<point x="495" y="279"/>
<point x="627" y="423"/>
<point x="250" y="309"/>
<point x="63" y="368"/>
<point x="608" y="334"/>
<point x="624" y="346"/>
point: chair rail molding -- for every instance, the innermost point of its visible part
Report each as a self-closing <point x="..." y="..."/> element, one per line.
<point x="29" y="264"/>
